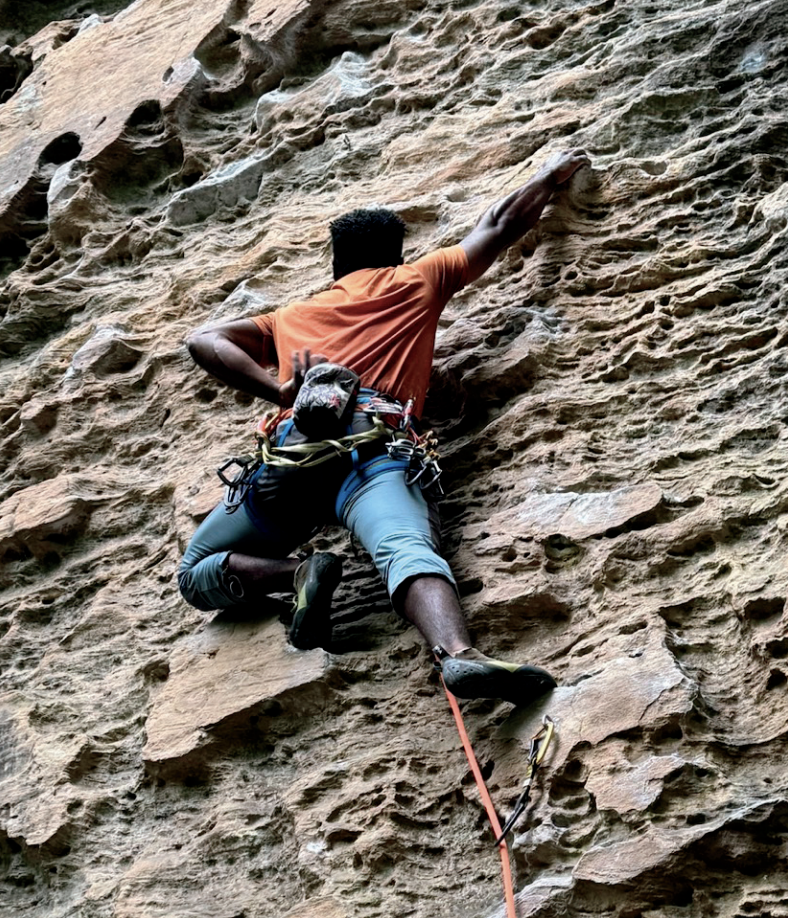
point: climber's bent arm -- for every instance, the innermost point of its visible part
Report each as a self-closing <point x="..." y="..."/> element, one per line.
<point x="231" y="352"/>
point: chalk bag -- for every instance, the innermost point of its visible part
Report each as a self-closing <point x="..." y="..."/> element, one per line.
<point x="325" y="401"/>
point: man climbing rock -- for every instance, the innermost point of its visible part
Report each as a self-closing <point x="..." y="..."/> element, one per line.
<point x="377" y="320"/>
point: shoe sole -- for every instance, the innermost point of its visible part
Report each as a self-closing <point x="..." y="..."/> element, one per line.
<point x="473" y="679"/>
<point x="311" y="625"/>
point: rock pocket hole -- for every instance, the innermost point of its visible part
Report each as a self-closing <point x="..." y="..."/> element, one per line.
<point x="764" y="610"/>
<point x="145" y="114"/>
<point x="778" y="649"/>
<point x="559" y="548"/>
<point x="61" y="150"/>
<point x="13" y="70"/>
<point x="508" y="14"/>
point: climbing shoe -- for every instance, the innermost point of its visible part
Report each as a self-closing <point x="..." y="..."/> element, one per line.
<point x="314" y="582"/>
<point x="470" y="674"/>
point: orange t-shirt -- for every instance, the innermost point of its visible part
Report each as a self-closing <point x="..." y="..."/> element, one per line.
<point x="379" y="322"/>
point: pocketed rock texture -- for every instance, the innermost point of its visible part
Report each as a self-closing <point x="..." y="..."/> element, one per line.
<point x="611" y="400"/>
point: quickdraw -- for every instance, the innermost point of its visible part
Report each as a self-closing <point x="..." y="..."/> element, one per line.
<point x="237" y="487"/>
<point x="421" y="453"/>
<point x="423" y="468"/>
<point x="536" y="753"/>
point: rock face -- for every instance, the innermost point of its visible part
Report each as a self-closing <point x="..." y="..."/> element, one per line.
<point x="611" y="399"/>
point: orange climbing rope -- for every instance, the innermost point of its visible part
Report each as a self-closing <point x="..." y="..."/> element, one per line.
<point x="506" y="868"/>
<point x="539" y="743"/>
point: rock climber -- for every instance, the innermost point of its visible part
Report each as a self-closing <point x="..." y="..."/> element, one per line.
<point x="378" y="319"/>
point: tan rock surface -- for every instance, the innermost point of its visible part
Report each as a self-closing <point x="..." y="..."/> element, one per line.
<point x="225" y="675"/>
<point x="611" y="400"/>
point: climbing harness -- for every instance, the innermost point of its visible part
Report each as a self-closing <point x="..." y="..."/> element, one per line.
<point x="388" y="418"/>
<point x="299" y="455"/>
<point x="536" y="754"/>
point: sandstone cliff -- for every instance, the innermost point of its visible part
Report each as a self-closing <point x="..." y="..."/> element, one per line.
<point x="611" y="399"/>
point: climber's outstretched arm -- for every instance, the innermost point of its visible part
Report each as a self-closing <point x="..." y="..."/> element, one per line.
<point x="510" y="218"/>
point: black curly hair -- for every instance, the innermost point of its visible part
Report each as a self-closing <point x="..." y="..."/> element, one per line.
<point x="366" y="239"/>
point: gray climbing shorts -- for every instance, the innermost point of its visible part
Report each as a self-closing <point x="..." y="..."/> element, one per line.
<point x="393" y="521"/>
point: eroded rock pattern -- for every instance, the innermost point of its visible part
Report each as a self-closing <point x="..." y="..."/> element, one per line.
<point x="611" y="400"/>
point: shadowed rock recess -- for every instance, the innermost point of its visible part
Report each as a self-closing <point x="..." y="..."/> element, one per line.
<point x="611" y="399"/>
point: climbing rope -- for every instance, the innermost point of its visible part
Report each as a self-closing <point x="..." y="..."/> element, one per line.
<point x="536" y="754"/>
<point x="313" y="454"/>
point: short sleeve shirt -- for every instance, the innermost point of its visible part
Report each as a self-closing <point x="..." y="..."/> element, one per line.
<point x="379" y="322"/>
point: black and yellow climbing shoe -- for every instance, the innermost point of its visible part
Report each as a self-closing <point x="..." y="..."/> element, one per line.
<point x="314" y="581"/>
<point x="470" y="674"/>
